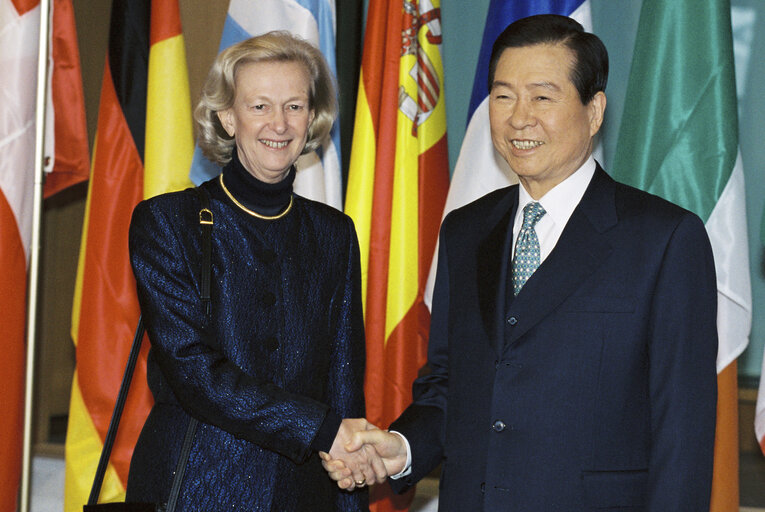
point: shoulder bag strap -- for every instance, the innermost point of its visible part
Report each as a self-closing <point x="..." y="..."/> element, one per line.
<point x="206" y="224"/>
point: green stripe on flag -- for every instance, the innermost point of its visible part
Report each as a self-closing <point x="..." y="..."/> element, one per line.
<point x="679" y="132"/>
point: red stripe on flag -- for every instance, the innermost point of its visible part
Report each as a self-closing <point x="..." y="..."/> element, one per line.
<point x="12" y="318"/>
<point x="24" y="6"/>
<point x="71" y="163"/>
<point x="109" y="307"/>
<point x="385" y="90"/>
<point x="165" y="21"/>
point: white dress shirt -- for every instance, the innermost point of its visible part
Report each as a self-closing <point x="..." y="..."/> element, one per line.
<point x="559" y="203"/>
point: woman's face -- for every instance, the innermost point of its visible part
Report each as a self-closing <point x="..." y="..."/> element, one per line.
<point x="270" y="117"/>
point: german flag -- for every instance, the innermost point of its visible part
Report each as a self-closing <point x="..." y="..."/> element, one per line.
<point x="143" y="147"/>
<point x="397" y="185"/>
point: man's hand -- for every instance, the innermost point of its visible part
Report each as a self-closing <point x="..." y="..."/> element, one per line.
<point x="389" y="448"/>
<point x="358" y="467"/>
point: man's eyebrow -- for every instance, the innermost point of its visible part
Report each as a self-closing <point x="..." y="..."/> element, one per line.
<point x="500" y="83"/>
<point x="545" y="85"/>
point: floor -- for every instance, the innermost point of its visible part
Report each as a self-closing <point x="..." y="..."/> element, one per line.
<point x="48" y="486"/>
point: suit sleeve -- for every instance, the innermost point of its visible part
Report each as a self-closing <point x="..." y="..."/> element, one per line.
<point x="682" y="373"/>
<point x="423" y="423"/>
<point x="346" y="379"/>
<point x="208" y="385"/>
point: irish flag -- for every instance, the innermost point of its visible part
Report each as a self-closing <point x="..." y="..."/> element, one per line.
<point x="396" y="189"/>
<point x="679" y="139"/>
<point x="143" y="147"/>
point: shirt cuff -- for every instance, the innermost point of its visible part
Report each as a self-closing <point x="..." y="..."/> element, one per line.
<point x="408" y="466"/>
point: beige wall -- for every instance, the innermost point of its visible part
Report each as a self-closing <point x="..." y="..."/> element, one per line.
<point x="63" y="214"/>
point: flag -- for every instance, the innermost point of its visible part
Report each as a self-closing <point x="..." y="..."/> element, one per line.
<point x="19" y="45"/>
<point x="143" y="147"/>
<point x="479" y="168"/>
<point x="679" y="139"/>
<point x="397" y="184"/>
<point x="319" y="175"/>
<point x="759" y="417"/>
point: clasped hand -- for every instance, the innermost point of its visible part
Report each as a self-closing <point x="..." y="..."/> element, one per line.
<point x="362" y="454"/>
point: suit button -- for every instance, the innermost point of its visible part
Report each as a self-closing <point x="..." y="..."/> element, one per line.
<point x="269" y="299"/>
<point x="499" y="426"/>
<point x="268" y="256"/>
<point x="271" y="343"/>
<point x="512" y="320"/>
<point x="483" y="486"/>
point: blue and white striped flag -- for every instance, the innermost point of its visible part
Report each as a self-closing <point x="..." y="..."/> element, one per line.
<point x="480" y="169"/>
<point x="319" y="174"/>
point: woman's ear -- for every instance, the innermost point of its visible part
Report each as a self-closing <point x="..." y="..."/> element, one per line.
<point x="226" y="118"/>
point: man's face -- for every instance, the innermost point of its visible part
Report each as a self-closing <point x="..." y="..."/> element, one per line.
<point x="538" y="122"/>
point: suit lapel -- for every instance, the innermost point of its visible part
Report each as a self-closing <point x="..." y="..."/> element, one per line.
<point x="492" y="264"/>
<point x="580" y="250"/>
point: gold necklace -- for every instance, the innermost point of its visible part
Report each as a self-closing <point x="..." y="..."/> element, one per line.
<point x="255" y="214"/>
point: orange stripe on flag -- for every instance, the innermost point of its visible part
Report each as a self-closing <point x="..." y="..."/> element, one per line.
<point x="725" y="489"/>
<point x="13" y="283"/>
<point x="71" y="161"/>
<point x="24" y="6"/>
<point x="165" y="21"/>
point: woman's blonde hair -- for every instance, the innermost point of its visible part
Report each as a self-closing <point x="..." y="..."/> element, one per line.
<point x="219" y="89"/>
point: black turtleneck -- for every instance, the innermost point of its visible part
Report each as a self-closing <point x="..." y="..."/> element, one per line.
<point x="264" y="198"/>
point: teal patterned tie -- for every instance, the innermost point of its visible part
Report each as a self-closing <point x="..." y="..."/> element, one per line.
<point x="526" y="257"/>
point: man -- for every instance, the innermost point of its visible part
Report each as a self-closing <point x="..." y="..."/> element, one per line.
<point x="573" y="336"/>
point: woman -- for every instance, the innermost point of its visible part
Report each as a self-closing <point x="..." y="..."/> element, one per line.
<point x="276" y="364"/>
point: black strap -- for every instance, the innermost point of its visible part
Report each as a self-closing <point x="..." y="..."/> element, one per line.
<point x="206" y="224"/>
<point x="111" y="434"/>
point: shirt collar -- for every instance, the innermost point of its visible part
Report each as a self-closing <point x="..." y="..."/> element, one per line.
<point x="560" y="201"/>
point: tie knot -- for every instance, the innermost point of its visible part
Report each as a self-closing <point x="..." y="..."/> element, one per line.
<point x="532" y="212"/>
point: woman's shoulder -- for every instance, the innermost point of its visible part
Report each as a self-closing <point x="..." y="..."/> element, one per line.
<point x="320" y="212"/>
<point x="167" y="204"/>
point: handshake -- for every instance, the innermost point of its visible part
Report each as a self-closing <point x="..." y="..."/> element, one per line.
<point x="362" y="454"/>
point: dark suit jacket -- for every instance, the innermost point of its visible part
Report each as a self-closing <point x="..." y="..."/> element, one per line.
<point x="276" y="363"/>
<point x="595" y="387"/>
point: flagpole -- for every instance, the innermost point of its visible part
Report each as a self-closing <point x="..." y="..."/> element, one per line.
<point x="34" y="255"/>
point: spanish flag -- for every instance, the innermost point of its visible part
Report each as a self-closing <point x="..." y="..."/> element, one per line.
<point x="397" y="186"/>
<point x="143" y="147"/>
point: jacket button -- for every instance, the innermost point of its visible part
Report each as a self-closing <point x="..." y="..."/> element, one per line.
<point x="268" y="256"/>
<point x="483" y="486"/>
<point x="269" y="299"/>
<point x="512" y="320"/>
<point x="271" y="343"/>
<point x="499" y="426"/>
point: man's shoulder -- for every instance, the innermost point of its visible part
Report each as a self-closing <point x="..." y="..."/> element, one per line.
<point x="483" y="206"/>
<point x="632" y="202"/>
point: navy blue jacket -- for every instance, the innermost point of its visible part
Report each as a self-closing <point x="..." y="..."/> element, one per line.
<point x="269" y="372"/>
<point x="595" y="387"/>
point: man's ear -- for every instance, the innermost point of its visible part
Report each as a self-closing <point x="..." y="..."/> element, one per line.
<point x="226" y="118"/>
<point x="596" y="108"/>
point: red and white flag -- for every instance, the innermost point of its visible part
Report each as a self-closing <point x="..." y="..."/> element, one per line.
<point x="19" y="42"/>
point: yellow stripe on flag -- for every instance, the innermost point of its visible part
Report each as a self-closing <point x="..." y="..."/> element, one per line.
<point x="360" y="188"/>
<point x="77" y="303"/>
<point x="83" y="449"/>
<point x="169" y="134"/>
